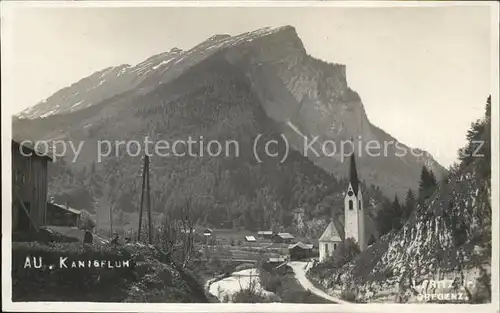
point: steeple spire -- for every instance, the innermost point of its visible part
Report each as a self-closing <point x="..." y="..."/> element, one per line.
<point x="353" y="175"/>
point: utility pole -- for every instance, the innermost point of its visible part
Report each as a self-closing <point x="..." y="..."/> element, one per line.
<point x="96" y="230"/>
<point x="142" y="198"/>
<point x="110" y="221"/>
<point x="145" y="188"/>
<point x="148" y="202"/>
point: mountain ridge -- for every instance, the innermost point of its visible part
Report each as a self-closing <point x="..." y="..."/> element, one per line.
<point x="292" y="87"/>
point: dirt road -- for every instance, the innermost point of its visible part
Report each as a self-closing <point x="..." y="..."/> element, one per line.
<point x="300" y="275"/>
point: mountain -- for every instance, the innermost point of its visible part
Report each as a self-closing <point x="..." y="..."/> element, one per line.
<point x="99" y="86"/>
<point x="446" y="239"/>
<point x="226" y="89"/>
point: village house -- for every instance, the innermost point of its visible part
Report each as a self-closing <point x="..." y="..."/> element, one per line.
<point x="29" y="187"/>
<point x="250" y="239"/>
<point x="267" y="234"/>
<point x="207" y="232"/>
<point x="299" y="251"/>
<point x="282" y="238"/>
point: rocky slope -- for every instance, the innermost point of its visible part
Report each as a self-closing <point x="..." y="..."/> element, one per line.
<point x="448" y="239"/>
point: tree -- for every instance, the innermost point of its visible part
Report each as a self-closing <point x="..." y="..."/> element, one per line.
<point x="409" y="205"/>
<point x="345" y="252"/>
<point x="86" y="222"/>
<point x="110" y="193"/>
<point x="371" y="240"/>
<point x="179" y="230"/>
<point x="391" y="216"/>
<point x="397" y="213"/>
<point x="188" y="223"/>
<point x="427" y="184"/>
<point x="478" y="142"/>
<point x="384" y="217"/>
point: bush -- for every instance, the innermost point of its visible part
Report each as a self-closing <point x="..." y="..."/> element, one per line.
<point x="269" y="281"/>
<point x="348" y="295"/>
<point x="86" y="222"/>
<point x="249" y="296"/>
<point x="214" y="262"/>
<point x="345" y="253"/>
<point x="482" y="290"/>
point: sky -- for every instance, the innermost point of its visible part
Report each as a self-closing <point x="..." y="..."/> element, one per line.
<point x="423" y="74"/>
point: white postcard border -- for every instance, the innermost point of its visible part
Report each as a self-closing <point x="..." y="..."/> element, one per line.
<point x="7" y="8"/>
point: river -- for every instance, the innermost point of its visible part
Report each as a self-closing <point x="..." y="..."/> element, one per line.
<point x="237" y="281"/>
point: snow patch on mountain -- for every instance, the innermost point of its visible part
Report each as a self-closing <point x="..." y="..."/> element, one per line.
<point x="295" y="129"/>
<point x="162" y="63"/>
<point x="77" y="104"/>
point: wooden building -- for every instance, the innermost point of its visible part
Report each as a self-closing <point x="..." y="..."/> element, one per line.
<point x="29" y="187"/>
<point x="282" y="238"/>
<point x="268" y="234"/>
<point x="62" y="215"/>
<point x="300" y="251"/>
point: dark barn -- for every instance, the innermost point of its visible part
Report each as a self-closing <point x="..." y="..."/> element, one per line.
<point x="300" y="251"/>
<point x="29" y="187"/>
<point x="282" y="238"/>
<point x="60" y="215"/>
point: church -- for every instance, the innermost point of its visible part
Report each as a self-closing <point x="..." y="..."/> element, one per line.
<point x="354" y="225"/>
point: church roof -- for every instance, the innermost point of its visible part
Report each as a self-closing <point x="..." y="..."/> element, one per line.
<point x="353" y="175"/>
<point x="330" y="233"/>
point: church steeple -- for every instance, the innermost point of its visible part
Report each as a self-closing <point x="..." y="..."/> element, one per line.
<point x="353" y="175"/>
<point x="353" y="208"/>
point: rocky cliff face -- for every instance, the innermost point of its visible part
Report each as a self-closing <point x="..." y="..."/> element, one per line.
<point x="300" y="96"/>
<point x="310" y="99"/>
